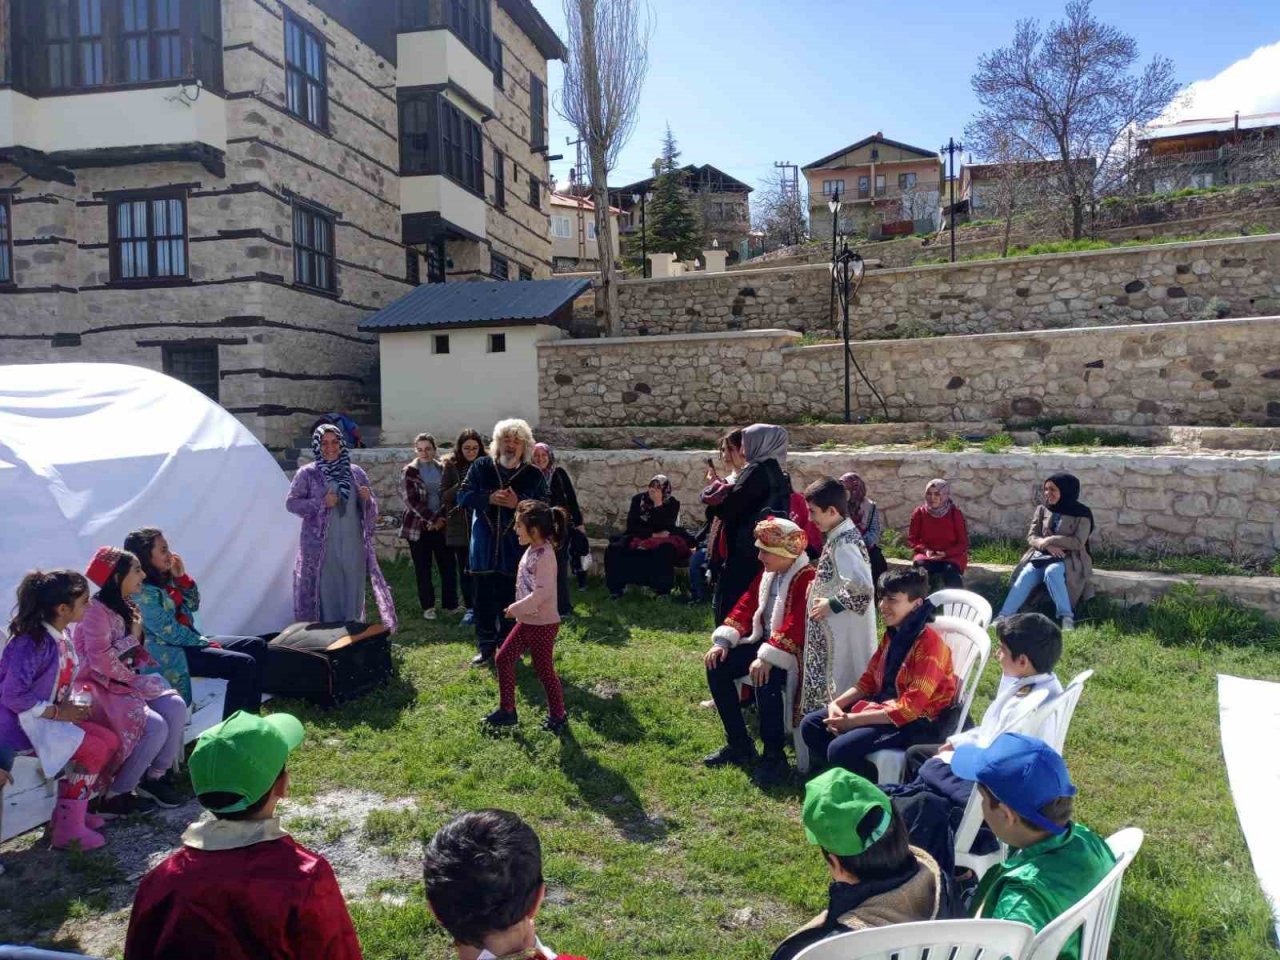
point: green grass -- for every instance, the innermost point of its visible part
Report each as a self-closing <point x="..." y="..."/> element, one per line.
<point x="1047" y="248"/>
<point x="650" y="854"/>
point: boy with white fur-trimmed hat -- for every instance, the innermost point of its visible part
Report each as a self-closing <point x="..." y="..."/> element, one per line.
<point x="763" y="638"/>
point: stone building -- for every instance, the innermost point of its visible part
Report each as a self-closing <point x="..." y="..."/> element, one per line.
<point x="222" y="189"/>
<point x="721" y="204"/>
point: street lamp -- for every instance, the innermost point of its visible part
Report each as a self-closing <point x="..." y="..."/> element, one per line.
<point x="643" y="199"/>
<point x="846" y="269"/>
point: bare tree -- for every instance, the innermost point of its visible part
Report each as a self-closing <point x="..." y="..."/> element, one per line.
<point x="1020" y="186"/>
<point x="919" y="201"/>
<point x="1067" y="94"/>
<point x="779" y="211"/>
<point x="608" y="59"/>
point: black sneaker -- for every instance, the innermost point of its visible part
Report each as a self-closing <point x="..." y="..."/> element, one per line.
<point x="501" y="718"/>
<point x="482" y="660"/>
<point x="727" y="755"/>
<point x="162" y="792"/>
<point x="771" y="771"/>
<point x="124" y="805"/>
<point x="552" y="725"/>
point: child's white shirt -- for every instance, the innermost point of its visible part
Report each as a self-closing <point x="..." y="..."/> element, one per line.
<point x="1014" y="701"/>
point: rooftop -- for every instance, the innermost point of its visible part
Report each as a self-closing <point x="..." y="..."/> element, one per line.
<point x="1192" y="126"/>
<point x="439" y="306"/>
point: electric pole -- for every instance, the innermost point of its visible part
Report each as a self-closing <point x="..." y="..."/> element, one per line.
<point x="575" y="178"/>
<point x="791" y="194"/>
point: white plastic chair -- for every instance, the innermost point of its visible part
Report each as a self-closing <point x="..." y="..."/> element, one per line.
<point x="1049" y="722"/>
<point x="28" y="801"/>
<point x="927" y="940"/>
<point x="1095" y="915"/>
<point x="963" y="605"/>
<point x="970" y="649"/>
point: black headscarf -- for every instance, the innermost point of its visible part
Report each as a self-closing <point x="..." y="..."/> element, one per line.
<point x="1069" y="504"/>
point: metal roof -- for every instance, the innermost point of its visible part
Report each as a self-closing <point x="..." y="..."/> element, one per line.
<point x="435" y="306"/>
<point x="1192" y="127"/>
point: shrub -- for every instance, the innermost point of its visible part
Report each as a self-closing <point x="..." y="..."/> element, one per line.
<point x="997" y="444"/>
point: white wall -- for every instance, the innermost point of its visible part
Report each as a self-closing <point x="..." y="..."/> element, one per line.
<point x="443" y="394"/>
<point x="432" y="57"/>
<point x="439" y="194"/>
<point x="118" y="118"/>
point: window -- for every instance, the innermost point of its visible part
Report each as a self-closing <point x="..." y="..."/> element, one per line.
<point x="879" y="183"/>
<point x="864" y="187"/>
<point x="440" y="343"/>
<point x="526" y="273"/>
<point x="1202" y="180"/>
<point x="497" y="62"/>
<point x="906" y="181"/>
<point x="469" y="21"/>
<point x="306" y="73"/>
<point x="412" y="266"/>
<point x="535" y="193"/>
<point x="438" y="138"/>
<point x="414" y="15"/>
<point x="148" y="238"/>
<point x="6" y="241"/>
<point x="499" y="269"/>
<point x="591" y="229"/>
<point x="560" y="228"/>
<point x="437" y="261"/>
<point x="313" y="248"/>
<point x="537" y="112"/>
<point x="497" y="343"/>
<point x="831" y="187"/>
<point x="82" y="44"/>
<point x="499" y="180"/>
<point x="196" y="365"/>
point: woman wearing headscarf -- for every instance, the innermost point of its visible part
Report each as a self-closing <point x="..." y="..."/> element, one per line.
<point x="1058" y="554"/>
<point x="560" y="493"/>
<point x="866" y="516"/>
<point x="939" y="537"/>
<point x="457" y="526"/>
<point x="336" y="559"/>
<point x="760" y="491"/>
<point x="647" y="552"/>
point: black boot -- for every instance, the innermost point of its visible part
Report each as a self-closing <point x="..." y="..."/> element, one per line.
<point x="730" y="754"/>
<point x="772" y="770"/>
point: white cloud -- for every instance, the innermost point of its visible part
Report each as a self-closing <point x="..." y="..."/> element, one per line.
<point x="1251" y="85"/>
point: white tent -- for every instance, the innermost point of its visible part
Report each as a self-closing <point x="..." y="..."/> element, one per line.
<point x="90" y="451"/>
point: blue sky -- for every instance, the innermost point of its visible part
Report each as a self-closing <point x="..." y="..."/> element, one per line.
<point x="746" y="82"/>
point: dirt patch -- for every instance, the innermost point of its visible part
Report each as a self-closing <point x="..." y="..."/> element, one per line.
<point x="81" y="902"/>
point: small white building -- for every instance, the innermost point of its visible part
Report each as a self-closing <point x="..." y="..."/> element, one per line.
<point x="459" y="355"/>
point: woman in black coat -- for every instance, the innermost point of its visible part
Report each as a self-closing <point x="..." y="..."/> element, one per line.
<point x="560" y="493"/>
<point x="760" y="490"/>
<point x="653" y="544"/>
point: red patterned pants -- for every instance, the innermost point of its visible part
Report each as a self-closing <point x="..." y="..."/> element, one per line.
<point x="540" y="641"/>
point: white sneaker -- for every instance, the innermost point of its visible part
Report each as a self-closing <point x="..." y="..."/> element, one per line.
<point x="1068" y="623"/>
<point x="428" y="614"/>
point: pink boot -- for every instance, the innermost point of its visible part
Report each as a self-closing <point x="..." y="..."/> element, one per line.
<point x="93" y="821"/>
<point x="69" y="826"/>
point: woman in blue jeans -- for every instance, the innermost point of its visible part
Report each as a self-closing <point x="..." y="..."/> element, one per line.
<point x="1058" y="552"/>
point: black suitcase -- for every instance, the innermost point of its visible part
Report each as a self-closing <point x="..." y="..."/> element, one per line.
<point x="328" y="663"/>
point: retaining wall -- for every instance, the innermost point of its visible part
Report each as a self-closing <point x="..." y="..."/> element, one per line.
<point x="1154" y="284"/>
<point x="1208" y="373"/>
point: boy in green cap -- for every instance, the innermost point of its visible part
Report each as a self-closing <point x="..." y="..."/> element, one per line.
<point x="241" y="888"/>
<point x="877" y="878"/>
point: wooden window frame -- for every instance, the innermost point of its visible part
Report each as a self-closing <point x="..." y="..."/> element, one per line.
<point x="526" y="273"/>
<point x="150" y="239"/>
<point x="313" y="90"/>
<point x="537" y="113"/>
<point x="535" y="193"/>
<point x="452" y="144"/>
<point x="499" y="179"/>
<point x="496" y="343"/>
<point x="496" y="259"/>
<point x="498" y="66"/>
<point x="8" y="276"/>
<point x="439" y="340"/>
<point x="303" y="251"/>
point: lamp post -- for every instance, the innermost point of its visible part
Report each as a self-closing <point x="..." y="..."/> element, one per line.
<point x="834" y="206"/>
<point x="950" y="148"/>
<point x="846" y="269"/>
<point x="643" y="199"/>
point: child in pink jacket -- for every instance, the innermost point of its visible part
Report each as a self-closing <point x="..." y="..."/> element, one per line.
<point x="541" y="531"/>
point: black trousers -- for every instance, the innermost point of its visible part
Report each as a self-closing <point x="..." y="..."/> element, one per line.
<point x="563" y="603"/>
<point x="494" y="593"/>
<point x="465" y="578"/>
<point x="430" y="545"/>
<point x="942" y="574"/>
<point x="879" y="565"/>
<point x="238" y="660"/>
<point x="721" y="679"/>
<point x="654" y="568"/>
<point x="732" y="582"/>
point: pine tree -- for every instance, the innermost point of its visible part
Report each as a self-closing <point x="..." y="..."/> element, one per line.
<point x="672" y="226"/>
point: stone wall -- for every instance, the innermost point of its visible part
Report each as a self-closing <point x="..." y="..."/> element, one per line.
<point x="1153" y="284"/>
<point x="1199" y="373"/>
<point x="1221" y="505"/>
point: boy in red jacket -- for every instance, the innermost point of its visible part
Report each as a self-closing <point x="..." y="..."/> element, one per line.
<point x="906" y="688"/>
<point x="483" y="874"/>
<point x="241" y="888"/>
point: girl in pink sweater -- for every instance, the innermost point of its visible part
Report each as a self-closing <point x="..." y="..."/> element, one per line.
<point x="541" y="531"/>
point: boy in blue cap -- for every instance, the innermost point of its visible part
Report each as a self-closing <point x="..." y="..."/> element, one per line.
<point x="1027" y="799"/>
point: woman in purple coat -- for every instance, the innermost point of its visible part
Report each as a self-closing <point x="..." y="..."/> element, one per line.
<point x="336" y="557"/>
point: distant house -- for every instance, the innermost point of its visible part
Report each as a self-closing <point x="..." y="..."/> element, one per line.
<point x="878" y="180"/>
<point x="574" y="246"/>
<point x="1211" y="152"/>
<point x="722" y="202"/>
<point x="458" y="355"/>
<point x="983" y="186"/>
